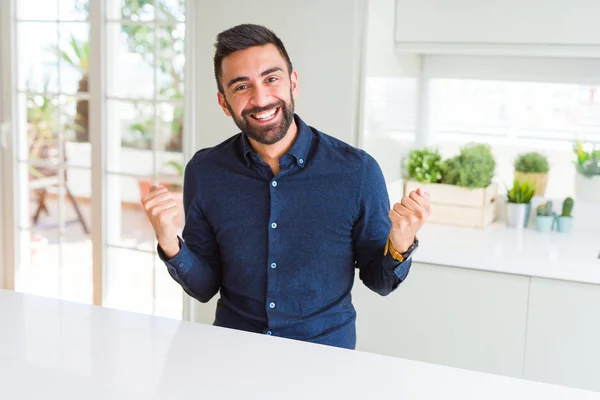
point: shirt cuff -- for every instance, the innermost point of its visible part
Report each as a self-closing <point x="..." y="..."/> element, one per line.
<point x="398" y="268"/>
<point x="180" y="261"/>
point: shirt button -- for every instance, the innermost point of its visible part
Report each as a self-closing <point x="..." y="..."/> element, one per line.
<point x="274" y="183"/>
<point x="269" y="333"/>
<point x="180" y="265"/>
<point x="273" y="265"/>
<point x="272" y="305"/>
<point x="273" y="225"/>
<point x="301" y="161"/>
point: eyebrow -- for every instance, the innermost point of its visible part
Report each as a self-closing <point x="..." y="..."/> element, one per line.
<point x="245" y="78"/>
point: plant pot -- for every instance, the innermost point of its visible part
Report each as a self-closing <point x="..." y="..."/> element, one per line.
<point x="539" y="179"/>
<point x="587" y="189"/>
<point x="564" y="224"/>
<point x="544" y="223"/>
<point x="517" y="214"/>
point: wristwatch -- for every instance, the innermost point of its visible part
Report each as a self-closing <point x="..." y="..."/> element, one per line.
<point x="401" y="256"/>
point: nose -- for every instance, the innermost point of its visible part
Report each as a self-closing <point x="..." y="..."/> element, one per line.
<point x="260" y="96"/>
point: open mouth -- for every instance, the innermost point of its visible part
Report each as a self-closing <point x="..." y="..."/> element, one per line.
<point x="266" y="116"/>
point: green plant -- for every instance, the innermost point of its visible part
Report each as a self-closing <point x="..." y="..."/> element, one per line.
<point x="474" y="167"/>
<point x="567" y="207"/>
<point x="522" y="191"/>
<point x="424" y="165"/>
<point x="545" y="209"/>
<point x="532" y="162"/>
<point x="588" y="161"/>
<point x="167" y="59"/>
<point x="179" y="168"/>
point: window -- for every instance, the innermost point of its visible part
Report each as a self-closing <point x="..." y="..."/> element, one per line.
<point x="515" y="117"/>
<point x="139" y="89"/>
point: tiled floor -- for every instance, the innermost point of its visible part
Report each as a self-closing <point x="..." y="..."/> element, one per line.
<point x="61" y="267"/>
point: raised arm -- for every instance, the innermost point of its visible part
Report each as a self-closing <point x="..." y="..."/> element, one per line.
<point x="193" y="260"/>
<point x="378" y="228"/>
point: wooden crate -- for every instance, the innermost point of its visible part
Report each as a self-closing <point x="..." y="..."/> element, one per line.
<point x="454" y="205"/>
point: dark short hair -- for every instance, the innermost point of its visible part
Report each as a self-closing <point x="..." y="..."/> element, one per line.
<point x="241" y="37"/>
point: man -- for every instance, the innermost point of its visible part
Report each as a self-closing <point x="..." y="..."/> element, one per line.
<point x="279" y="216"/>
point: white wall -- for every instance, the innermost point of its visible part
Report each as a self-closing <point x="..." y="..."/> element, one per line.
<point x="323" y="39"/>
<point x="381" y="57"/>
<point x="390" y="92"/>
<point x="3" y="92"/>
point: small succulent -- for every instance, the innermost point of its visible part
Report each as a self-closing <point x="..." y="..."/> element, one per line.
<point x="545" y="210"/>
<point x="567" y="207"/>
<point x="522" y="192"/>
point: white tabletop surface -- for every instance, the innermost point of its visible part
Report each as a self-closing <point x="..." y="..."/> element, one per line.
<point x="59" y="350"/>
<point x="498" y="248"/>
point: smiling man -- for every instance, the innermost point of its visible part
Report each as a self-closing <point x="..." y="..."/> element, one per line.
<point x="280" y="216"/>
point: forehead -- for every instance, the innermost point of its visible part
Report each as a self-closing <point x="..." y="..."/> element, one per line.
<point x="251" y="62"/>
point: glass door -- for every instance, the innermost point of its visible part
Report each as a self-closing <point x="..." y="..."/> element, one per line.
<point x="98" y="107"/>
<point x="145" y="59"/>
<point x="53" y="152"/>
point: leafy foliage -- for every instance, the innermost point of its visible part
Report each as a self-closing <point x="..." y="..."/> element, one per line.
<point x="474" y="167"/>
<point x="424" y="165"/>
<point x="532" y="162"/>
<point x="588" y="161"/>
<point x="522" y="192"/>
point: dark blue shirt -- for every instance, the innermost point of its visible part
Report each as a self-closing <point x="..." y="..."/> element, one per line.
<point x="283" y="250"/>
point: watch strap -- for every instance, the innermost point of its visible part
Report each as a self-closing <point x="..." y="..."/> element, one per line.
<point x="393" y="252"/>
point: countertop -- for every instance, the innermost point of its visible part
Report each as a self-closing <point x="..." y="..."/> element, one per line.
<point x="570" y="256"/>
<point x="53" y="349"/>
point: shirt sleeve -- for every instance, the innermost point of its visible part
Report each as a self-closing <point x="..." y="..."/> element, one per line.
<point x="378" y="271"/>
<point x="197" y="266"/>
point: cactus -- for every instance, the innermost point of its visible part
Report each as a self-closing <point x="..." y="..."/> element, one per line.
<point x="567" y="207"/>
<point x="545" y="209"/>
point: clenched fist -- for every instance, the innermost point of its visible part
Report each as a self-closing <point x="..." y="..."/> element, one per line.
<point x="407" y="218"/>
<point x="162" y="211"/>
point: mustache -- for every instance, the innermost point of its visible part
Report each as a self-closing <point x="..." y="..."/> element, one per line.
<point x="256" y="110"/>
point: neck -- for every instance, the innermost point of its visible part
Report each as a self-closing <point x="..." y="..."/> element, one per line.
<point x="273" y="152"/>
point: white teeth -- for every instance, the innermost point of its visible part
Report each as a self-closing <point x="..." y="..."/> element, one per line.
<point x="265" y="115"/>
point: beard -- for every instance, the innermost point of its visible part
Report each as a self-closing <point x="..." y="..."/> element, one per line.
<point x="266" y="134"/>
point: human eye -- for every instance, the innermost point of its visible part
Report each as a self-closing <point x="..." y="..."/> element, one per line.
<point x="240" y="88"/>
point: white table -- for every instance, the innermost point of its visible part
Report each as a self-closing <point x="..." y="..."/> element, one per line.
<point x="52" y="349"/>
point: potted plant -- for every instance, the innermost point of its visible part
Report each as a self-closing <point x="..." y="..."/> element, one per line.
<point x="474" y="167"/>
<point x="424" y="165"/>
<point x="544" y="219"/>
<point x="461" y="187"/>
<point x="533" y="166"/>
<point x="565" y="219"/>
<point x="587" y="178"/>
<point x="518" y="206"/>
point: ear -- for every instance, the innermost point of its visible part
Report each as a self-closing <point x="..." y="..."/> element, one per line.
<point x="223" y="103"/>
<point x="294" y="83"/>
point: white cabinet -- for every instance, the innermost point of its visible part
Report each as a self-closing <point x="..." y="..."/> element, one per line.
<point x="549" y="28"/>
<point x="450" y="316"/>
<point x="563" y="334"/>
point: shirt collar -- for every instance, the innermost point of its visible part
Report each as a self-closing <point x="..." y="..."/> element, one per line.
<point x="299" y="149"/>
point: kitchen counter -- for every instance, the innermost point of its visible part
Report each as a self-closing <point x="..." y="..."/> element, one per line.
<point x="570" y="256"/>
<point x="53" y="349"/>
